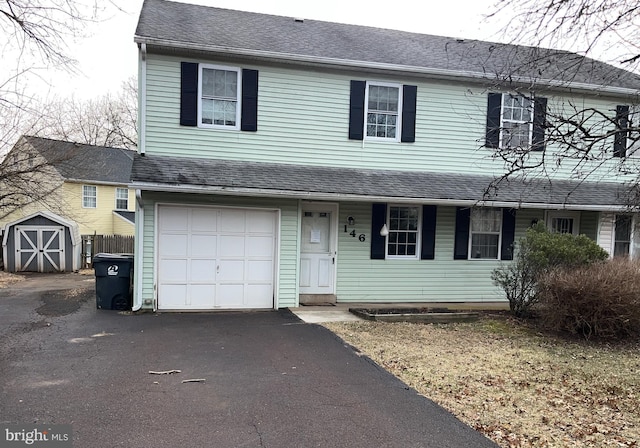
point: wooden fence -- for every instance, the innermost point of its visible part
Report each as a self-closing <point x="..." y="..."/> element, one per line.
<point x="112" y="244"/>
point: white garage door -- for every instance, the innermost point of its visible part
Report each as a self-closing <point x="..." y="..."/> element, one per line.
<point x="215" y="258"/>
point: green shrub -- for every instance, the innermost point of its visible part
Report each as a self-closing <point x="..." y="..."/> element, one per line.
<point x="537" y="253"/>
<point x="601" y="300"/>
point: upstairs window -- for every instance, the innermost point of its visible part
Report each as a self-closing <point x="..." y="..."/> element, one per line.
<point x="122" y="198"/>
<point x="383" y="106"/>
<point x="219" y="96"/>
<point x="515" y="121"/>
<point x="89" y="196"/>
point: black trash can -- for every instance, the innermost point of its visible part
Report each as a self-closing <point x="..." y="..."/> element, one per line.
<point x="114" y="281"/>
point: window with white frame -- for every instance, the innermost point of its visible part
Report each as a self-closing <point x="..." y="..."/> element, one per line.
<point x="622" y="236"/>
<point x="485" y="233"/>
<point x="383" y="103"/>
<point x="403" y="238"/>
<point x="563" y="222"/>
<point x="219" y="93"/>
<point x="122" y="198"/>
<point x="89" y="196"/>
<point x="516" y="122"/>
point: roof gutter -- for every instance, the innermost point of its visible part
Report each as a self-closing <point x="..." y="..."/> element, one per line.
<point x="324" y="61"/>
<point x="318" y="196"/>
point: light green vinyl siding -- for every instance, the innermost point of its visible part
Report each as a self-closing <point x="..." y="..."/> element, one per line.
<point x="287" y="281"/>
<point x="589" y="224"/>
<point x="303" y="118"/>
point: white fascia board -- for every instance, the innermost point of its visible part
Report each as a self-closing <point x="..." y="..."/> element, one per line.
<point x="443" y="74"/>
<point x="316" y="196"/>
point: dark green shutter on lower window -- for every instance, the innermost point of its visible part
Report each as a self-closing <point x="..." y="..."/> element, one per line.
<point x="249" y="112"/>
<point x="508" y="233"/>
<point x="461" y="240"/>
<point x="428" y="243"/>
<point x="188" y="94"/>
<point x="356" y="110"/>
<point x="378" y="242"/>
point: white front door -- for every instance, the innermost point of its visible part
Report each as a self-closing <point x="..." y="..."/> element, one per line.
<point x="39" y="249"/>
<point x="318" y="249"/>
<point x="211" y="258"/>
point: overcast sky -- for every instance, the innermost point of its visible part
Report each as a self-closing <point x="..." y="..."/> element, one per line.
<point x="109" y="56"/>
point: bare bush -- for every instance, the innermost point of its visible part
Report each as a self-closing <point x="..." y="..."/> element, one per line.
<point x="601" y="300"/>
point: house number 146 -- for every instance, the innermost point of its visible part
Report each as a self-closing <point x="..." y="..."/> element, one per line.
<point x="361" y="237"/>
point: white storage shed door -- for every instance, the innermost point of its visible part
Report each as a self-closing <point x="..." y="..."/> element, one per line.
<point x="215" y="258"/>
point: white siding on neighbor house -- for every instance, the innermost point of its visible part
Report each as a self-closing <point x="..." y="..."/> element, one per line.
<point x="303" y="118"/>
<point x="288" y="238"/>
<point x="443" y="279"/>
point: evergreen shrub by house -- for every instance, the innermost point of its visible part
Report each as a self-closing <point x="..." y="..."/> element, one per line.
<point x="536" y="254"/>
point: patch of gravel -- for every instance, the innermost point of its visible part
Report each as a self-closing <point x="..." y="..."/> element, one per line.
<point x="7" y="278"/>
<point x="518" y="387"/>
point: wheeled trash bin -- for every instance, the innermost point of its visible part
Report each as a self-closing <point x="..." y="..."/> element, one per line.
<point x="114" y="281"/>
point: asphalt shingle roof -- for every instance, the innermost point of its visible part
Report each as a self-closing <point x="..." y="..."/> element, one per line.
<point x="85" y="162"/>
<point x="272" y="177"/>
<point x="182" y="25"/>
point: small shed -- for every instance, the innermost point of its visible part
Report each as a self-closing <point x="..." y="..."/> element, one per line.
<point x="41" y="242"/>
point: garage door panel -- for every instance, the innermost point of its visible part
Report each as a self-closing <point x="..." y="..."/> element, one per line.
<point x="177" y="220"/>
<point x="203" y="271"/>
<point x="173" y="270"/>
<point x="232" y="220"/>
<point x="260" y="246"/>
<point x="259" y="296"/>
<point x="204" y="245"/>
<point x="230" y="296"/>
<point x="174" y="246"/>
<point x="231" y="271"/>
<point x="173" y="296"/>
<point x="261" y="222"/>
<point x="231" y="246"/>
<point x="202" y="297"/>
<point x="204" y="220"/>
<point x="259" y="271"/>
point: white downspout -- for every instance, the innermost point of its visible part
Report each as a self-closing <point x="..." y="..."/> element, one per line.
<point x="142" y="100"/>
<point x="138" y="253"/>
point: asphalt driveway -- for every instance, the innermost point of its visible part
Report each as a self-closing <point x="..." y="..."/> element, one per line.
<point x="269" y="380"/>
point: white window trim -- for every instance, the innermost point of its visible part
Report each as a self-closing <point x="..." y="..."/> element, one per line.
<point x="95" y="188"/>
<point x="399" y="117"/>
<point x="551" y="214"/>
<point x="418" y="234"/>
<point x="471" y="233"/>
<point x="502" y="121"/>
<point x="633" y="149"/>
<point x="122" y="199"/>
<point x="201" y="67"/>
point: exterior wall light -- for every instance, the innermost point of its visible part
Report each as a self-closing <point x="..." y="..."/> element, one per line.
<point x="351" y="221"/>
<point x="384" y="231"/>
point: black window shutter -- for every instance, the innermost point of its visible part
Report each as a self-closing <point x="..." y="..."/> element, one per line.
<point x="494" y="105"/>
<point x="539" y="120"/>
<point x="461" y="242"/>
<point x="249" y="113"/>
<point x="356" y="110"/>
<point x="378" y="242"/>
<point x="409" y="94"/>
<point x="428" y="250"/>
<point x="622" y="126"/>
<point x="189" y="94"/>
<point x="508" y="233"/>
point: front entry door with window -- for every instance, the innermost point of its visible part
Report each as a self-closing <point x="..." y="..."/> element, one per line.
<point x="318" y="250"/>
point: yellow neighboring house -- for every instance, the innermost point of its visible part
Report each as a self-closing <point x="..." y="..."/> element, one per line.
<point x="88" y="184"/>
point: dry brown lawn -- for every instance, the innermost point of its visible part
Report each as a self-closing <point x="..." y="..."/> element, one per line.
<point x="518" y="387"/>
